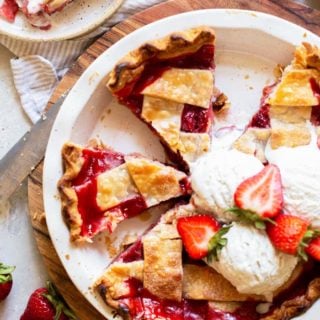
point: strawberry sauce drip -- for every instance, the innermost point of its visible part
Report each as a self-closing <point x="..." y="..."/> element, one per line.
<point x="85" y="185"/>
<point x="315" y="115"/>
<point x="195" y="119"/>
<point x="261" y="119"/>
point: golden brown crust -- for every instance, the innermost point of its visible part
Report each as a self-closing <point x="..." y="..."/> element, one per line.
<point x="72" y="162"/>
<point x="132" y="65"/>
<point x="155" y="181"/>
<point x="294" y="88"/>
<point x="162" y="274"/>
<point x="307" y="56"/>
<point x="204" y="283"/>
<point x="293" y="307"/>
<point x="115" y="276"/>
<point x="253" y="141"/>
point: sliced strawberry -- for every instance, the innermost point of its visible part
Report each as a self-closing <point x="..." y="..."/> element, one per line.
<point x="261" y="193"/>
<point x="202" y="236"/>
<point x="9" y="9"/>
<point x="196" y="232"/>
<point x="313" y="249"/>
<point x="5" y="280"/>
<point x="288" y="233"/>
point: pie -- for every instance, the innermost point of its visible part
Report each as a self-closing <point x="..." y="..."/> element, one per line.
<point x="37" y="12"/>
<point x="287" y="106"/>
<point x="154" y="279"/>
<point x="169" y="84"/>
<point x="101" y="187"/>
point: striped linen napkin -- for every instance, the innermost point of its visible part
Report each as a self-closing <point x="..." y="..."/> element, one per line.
<point x="45" y="63"/>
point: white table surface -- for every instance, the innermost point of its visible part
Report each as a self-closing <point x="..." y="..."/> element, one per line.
<point x="17" y="245"/>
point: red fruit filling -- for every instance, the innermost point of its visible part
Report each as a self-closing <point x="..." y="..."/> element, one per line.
<point x="315" y="115"/>
<point x="85" y="185"/>
<point x="193" y="119"/>
<point x="261" y="119"/>
<point x="140" y="303"/>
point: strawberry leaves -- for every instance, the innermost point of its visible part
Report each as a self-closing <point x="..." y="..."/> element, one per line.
<point x="5" y="273"/>
<point x="217" y="242"/>
<point x="56" y="300"/>
<point x="250" y="217"/>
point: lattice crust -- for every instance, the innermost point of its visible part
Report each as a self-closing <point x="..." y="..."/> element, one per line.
<point x="176" y="44"/>
<point x="290" y="106"/>
<point x="165" y="278"/>
<point x="132" y="178"/>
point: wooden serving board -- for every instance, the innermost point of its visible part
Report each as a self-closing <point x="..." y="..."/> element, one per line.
<point x="287" y="9"/>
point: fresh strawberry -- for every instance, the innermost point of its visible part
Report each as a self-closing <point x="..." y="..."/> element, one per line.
<point x="313" y="248"/>
<point x="201" y="235"/>
<point x="5" y="280"/>
<point x="46" y="304"/>
<point x="259" y="197"/>
<point x="9" y="9"/>
<point x="290" y="234"/>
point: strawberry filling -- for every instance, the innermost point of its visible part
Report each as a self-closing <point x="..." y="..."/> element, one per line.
<point x="85" y="186"/>
<point x="262" y="119"/>
<point x="315" y="115"/>
<point x="196" y="120"/>
<point x="193" y="119"/>
<point x="141" y="304"/>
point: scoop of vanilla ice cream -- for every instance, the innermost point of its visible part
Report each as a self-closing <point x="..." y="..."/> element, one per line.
<point x="251" y="263"/>
<point x="215" y="178"/>
<point x="300" y="174"/>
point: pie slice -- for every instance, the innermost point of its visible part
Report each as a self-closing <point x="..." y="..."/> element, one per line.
<point x="169" y="84"/>
<point x="101" y="187"/>
<point x="287" y="107"/>
<point x="154" y="279"/>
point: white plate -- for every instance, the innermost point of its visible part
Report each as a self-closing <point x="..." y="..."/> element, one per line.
<point x="76" y="19"/>
<point x="249" y="46"/>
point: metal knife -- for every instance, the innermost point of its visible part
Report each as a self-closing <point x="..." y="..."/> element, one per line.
<point x="24" y="156"/>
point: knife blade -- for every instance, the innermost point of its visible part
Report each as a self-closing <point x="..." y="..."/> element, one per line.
<point x="24" y="156"/>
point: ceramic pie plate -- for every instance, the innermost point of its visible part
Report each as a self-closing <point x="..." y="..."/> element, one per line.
<point x="249" y="46"/>
<point x="75" y="20"/>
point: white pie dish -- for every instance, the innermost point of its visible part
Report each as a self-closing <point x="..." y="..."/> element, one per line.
<point x="75" y="20"/>
<point x="245" y="63"/>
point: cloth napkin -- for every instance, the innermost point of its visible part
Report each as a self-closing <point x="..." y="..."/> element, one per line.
<point x="38" y="67"/>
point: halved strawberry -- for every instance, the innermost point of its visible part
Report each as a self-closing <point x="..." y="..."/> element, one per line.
<point x="313" y="248"/>
<point x="290" y="234"/>
<point x="201" y="235"/>
<point x="259" y="197"/>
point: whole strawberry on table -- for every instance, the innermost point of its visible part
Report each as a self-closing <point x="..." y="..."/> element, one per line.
<point x="5" y="280"/>
<point x="47" y="304"/>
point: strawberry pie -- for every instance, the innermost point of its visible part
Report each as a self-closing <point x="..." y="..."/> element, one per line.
<point x="169" y="84"/>
<point x="242" y="241"/>
<point x="101" y="187"/>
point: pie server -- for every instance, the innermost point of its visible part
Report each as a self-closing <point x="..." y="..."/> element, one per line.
<point x="24" y="156"/>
